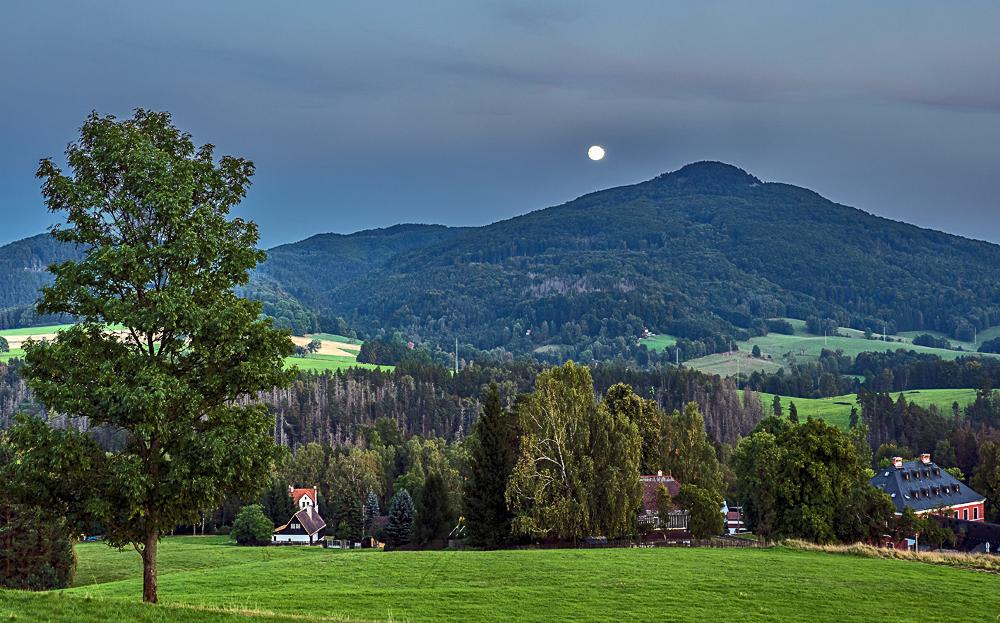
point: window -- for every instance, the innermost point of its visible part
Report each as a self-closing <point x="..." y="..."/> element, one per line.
<point x="295" y="526"/>
<point x="965" y="514"/>
<point x="975" y="512"/>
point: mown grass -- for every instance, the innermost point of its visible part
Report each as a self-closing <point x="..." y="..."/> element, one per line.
<point x="658" y="342"/>
<point x="836" y="410"/>
<point x="204" y="579"/>
<point x="14" y="353"/>
<point x="333" y="337"/>
<point x="329" y="363"/>
<point x="804" y="346"/>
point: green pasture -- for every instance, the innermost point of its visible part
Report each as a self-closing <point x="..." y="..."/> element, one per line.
<point x="836" y="410"/>
<point x="208" y="579"/>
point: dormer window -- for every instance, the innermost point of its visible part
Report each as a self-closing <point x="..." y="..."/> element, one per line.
<point x="906" y="476"/>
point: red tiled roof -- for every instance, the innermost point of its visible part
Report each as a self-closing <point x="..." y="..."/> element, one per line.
<point x="650" y="484"/>
<point x="298" y="493"/>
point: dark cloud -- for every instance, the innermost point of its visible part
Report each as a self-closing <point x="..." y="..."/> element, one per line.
<point x="366" y="115"/>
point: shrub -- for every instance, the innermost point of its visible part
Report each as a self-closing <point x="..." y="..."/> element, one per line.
<point x="252" y="527"/>
<point x="36" y="552"/>
<point x="780" y="325"/>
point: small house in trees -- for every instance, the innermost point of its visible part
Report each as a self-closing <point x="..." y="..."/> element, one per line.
<point x="306" y="526"/>
<point x="650" y="513"/>
<point x="926" y="488"/>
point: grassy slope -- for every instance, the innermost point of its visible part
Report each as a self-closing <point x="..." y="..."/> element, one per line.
<point x="312" y="363"/>
<point x="619" y="584"/>
<point x="804" y="346"/>
<point x="837" y="409"/>
<point x="658" y="342"/>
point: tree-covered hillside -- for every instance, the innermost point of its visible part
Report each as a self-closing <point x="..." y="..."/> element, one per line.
<point x="23" y="271"/>
<point x="705" y="254"/>
<point x="705" y="251"/>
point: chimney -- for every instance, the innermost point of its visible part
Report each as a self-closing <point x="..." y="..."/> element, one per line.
<point x="925" y="458"/>
<point x="659" y="473"/>
<point x="897" y="462"/>
<point x="290" y="490"/>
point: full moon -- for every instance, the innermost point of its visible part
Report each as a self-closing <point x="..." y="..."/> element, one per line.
<point x="596" y="152"/>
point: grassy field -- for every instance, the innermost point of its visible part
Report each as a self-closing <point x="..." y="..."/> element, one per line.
<point x="311" y="363"/>
<point x="658" y="342"/>
<point x="205" y="579"/>
<point x="803" y="346"/>
<point x="837" y="409"/>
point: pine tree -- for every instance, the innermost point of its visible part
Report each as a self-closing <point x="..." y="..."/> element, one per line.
<point x="433" y="515"/>
<point x="776" y="406"/>
<point x="793" y="414"/>
<point x="854" y="417"/>
<point x="399" y="530"/>
<point x="492" y="452"/>
<point x="370" y="511"/>
<point x="277" y="503"/>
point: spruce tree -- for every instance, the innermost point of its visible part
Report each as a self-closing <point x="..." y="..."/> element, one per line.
<point x="776" y="406"/>
<point x="793" y="413"/>
<point x="277" y="503"/>
<point x="399" y="530"/>
<point x="492" y="453"/>
<point x="370" y="511"/>
<point x="433" y="513"/>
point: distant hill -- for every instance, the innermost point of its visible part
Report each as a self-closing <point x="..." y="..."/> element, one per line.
<point x="704" y="254"/>
<point x="708" y="250"/>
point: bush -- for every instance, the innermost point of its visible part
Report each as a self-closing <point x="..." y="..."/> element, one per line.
<point x="990" y="346"/>
<point x="926" y="339"/>
<point x="780" y="325"/>
<point x="36" y="552"/>
<point x="252" y="527"/>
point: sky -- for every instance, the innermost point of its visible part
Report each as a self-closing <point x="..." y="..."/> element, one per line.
<point x="363" y="115"/>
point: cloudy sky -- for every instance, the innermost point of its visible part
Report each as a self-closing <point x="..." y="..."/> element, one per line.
<point x="465" y="113"/>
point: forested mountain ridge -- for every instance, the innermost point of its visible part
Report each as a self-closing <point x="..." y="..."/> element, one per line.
<point x="704" y="253"/>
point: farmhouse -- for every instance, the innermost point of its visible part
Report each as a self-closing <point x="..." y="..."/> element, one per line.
<point x="926" y="488"/>
<point x="306" y="526"/>
<point x="650" y="515"/>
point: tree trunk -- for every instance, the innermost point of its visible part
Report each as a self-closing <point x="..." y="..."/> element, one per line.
<point x="149" y="568"/>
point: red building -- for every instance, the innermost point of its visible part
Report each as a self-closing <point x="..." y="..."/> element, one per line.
<point x="927" y="488"/>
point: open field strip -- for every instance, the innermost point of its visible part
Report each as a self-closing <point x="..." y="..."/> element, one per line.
<point x="836" y="410"/>
<point x="203" y="577"/>
<point x="336" y="352"/>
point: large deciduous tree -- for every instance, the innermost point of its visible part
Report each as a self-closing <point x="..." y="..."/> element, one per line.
<point x="809" y="481"/>
<point x="577" y="473"/>
<point x="164" y="349"/>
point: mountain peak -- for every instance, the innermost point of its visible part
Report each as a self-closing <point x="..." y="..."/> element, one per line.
<point x="709" y="176"/>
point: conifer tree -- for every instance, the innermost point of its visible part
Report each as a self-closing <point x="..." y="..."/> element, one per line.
<point x="402" y="516"/>
<point x="370" y="511"/>
<point x="793" y="414"/>
<point x="492" y="452"/>
<point x="433" y="513"/>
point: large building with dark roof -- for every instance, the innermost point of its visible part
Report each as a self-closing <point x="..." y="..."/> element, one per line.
<point x="926" y="488"/>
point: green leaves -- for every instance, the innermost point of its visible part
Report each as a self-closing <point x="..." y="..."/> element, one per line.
<point x="160" y="258"/>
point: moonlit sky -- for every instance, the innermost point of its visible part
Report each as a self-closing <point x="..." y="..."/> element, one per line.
<point x="363" y="115"/>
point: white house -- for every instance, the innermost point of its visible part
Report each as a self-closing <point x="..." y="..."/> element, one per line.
<point x="306" y="526"/>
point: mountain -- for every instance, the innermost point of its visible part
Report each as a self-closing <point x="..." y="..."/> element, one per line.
<point x="22" y="272"/>
<point x="705" y="253"/>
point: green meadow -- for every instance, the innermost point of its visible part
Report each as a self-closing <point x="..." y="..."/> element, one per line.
<point x="310" y="363"/>
<point x="208" y="579"/>
<point x="836" y="410"/>
<point x="778" y="349"/>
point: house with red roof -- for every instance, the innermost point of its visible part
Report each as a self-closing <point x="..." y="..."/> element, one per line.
<point x="650" y="514"/>
<point x="306" y="526"/>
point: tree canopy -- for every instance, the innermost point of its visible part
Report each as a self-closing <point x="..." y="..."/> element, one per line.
<point x="161" y="259"/>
